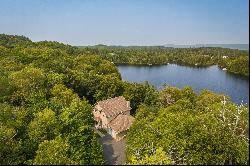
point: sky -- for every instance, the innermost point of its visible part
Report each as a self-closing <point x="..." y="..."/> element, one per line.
<point x="128" y="22"/>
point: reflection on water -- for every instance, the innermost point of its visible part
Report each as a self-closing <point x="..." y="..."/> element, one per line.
<point x="212" y="78"/>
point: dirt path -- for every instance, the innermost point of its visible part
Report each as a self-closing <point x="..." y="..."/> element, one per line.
<point x="114" y="152"/>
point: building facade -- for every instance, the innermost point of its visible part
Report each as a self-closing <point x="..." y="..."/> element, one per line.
<point x="113" y="115"/>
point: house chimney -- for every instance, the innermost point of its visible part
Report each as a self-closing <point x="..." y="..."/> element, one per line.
<point x="128" y="104"/>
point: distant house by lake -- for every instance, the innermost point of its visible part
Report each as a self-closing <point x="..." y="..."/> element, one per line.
<point x="113" y="115"/>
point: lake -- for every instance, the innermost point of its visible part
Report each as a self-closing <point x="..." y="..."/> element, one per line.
<point x="212" y="78"/>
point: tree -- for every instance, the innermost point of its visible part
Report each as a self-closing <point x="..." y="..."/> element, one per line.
<point x="109" y="86"/>
<point x="9" y="147"/>
<point x="77" y="122"/>
<point x="5" y="88"/>
<point x="28" y="79"/>
<point x="139" y="94"/>
<point x="62" y="96"/>
<point x="53" y="152"/>
<point x="187" y="92"/>
<point x="78" y="114"/>
<point x="158" y="157"/>
<point x="44" y="126"/>
<point x="206" y="98"/>
<point x="169" y="95"/>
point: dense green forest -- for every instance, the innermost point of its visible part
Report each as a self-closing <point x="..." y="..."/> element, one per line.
<point x="189" y="129"/>
<point x="47" y="91"/>
<point x="235" y="61"/>
<point x="45" y="113"/>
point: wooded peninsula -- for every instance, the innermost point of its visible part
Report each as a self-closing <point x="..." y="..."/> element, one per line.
<point x="234" y="60"/>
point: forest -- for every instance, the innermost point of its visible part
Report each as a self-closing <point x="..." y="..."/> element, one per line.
<point x="48" y="89"/>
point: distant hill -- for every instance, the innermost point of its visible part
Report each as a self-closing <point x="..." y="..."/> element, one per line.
<point x="232" y="46"/>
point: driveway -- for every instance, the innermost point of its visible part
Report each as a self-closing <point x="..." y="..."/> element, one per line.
<point x="114" y="152"/>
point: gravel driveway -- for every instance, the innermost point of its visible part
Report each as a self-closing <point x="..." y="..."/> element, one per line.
<point x="114" y="152"/>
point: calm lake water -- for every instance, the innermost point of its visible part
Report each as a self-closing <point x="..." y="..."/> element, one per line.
<point x="212" y="78"/>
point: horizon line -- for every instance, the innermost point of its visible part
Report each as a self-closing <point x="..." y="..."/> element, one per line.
<point x="68" y="43"/>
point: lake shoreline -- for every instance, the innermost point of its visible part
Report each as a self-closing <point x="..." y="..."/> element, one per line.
<point x="212" y="78"/>
<point x="184" y="65"/>
<point x="188" y="65"/>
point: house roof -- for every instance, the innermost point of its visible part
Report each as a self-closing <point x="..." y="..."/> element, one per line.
<point x="98" y="119"/>
<point x="114" y="106"/>
<point x="121" y="123"/>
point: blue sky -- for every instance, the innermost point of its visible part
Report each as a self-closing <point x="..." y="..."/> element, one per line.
<point x="128" y="22"/>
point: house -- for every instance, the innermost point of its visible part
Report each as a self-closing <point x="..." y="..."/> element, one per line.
<point x="114" y="116"/>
